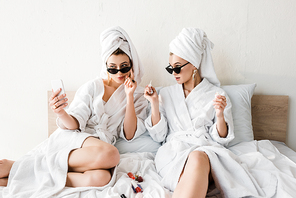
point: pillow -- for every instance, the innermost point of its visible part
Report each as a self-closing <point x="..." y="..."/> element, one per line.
<point x="240" y="96"/>
<point x="143" y="143"/>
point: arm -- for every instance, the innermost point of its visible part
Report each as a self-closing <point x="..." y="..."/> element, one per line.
<point x="67" y="121"/>
<point x="219" y="105"/>
<point x="156" y="122"/>
<point x="130" y="120"/>
<point x="222" y="126"/>
<point x="153" y="99"/>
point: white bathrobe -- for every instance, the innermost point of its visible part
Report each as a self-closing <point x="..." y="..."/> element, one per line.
<point x="43" y="171"/>
<point x="105" y="120"/>
<point x="189" y="124"/>
<point x="186" y="124"/>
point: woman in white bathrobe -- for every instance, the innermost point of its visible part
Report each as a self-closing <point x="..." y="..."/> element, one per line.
<point x="188" y="116"/>
<point x="81" y="152"/>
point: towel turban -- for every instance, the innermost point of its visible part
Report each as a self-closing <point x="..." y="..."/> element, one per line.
<point x="114" y="38"/>
<point x="193" y="45"/>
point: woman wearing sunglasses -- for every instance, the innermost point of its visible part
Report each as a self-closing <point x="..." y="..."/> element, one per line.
<point x="81" y="152"/>
<point x="189" y="115"/>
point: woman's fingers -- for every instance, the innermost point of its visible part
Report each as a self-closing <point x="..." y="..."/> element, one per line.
<point x="58" y="102"/>
<point x="129" y="82"/>
<point x="219" y="105"/>
<point x="132" y="74"/>
<point x="55" y="93"/>
<point x="59" y="108"/>
<point x="220" y="102"/>
<point x="54" y="96"/>
<point x="148" y="90"/>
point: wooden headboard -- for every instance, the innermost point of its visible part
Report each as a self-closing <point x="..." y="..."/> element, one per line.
<point x="269" y="116"/>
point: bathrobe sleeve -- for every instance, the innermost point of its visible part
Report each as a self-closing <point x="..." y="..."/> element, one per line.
<point x="140" y="104"/>
<point x="159" y="131"/>
<point x="81" y="106"/>
<point x="229" y="121"/>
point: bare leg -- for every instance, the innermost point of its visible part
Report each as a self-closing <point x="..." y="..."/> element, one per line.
<point x="94" y="154"/>
<point x="90" y="165"/>
<point x="5" y="166"/>
<point x="195" y="177"/>
<point x="96" y="178"/>
<point x="3" y="181"/>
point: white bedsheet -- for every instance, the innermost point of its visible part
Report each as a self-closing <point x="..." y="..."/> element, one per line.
<point x="143" y="162"/>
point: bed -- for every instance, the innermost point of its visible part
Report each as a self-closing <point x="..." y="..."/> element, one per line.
<point x="257" y="119"/>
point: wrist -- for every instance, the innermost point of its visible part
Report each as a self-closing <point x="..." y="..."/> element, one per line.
<point x="154" y="106"/>
<point x="62" y="113"/>
<point x="154" y="101"/>
<point x="130" y="98"/>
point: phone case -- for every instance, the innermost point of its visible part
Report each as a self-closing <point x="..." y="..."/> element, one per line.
<point x="56" y="84"/>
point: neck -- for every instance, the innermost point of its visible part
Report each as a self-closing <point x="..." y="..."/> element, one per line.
<point x="114" y="84"/>
<point x="191" y="84"/>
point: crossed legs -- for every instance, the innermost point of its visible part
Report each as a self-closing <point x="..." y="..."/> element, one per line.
<point x="194" y="179"/>
<point x="89" y="165"/>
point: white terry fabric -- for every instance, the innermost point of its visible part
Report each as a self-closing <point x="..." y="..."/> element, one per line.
<point x="193" y="113"/>
<point x="43" y="171"/>
<point x="248" y="169"/>
<point x="273" y="161"/>
<point x="106" y="120"/>
<point x="114" y="38"/>
<point x="186" y="121"/>
<point x="193" y="45"/>
<point x="267" y="166"/>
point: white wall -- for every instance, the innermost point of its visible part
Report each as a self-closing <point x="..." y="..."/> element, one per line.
<point x="41" y="40"/>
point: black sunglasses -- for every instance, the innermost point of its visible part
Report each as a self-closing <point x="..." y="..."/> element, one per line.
<point x="177" y="70"/>
<point x="122" y="70"/>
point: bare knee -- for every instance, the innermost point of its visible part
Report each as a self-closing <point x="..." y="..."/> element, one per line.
<point x="108" y="154"/>
<point x="98" y="178"/>
<point x="199" y="159"/>
<point x="111" y="154"/>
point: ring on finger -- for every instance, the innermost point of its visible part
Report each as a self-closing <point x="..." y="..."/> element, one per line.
<point x="133" y="81"/>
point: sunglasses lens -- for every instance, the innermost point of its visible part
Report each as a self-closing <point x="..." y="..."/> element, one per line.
<point x="177" y="70"/>
<point x="170" y="70"/>
<point x="125" y="69"/>
<point x="112" y="71"/>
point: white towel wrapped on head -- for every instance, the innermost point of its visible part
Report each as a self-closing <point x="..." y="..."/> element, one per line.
<point x="114" y="38"/>
<point x="193" y="45"/>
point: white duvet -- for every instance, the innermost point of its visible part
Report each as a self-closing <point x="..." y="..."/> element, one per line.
<point x="280" y="169"/>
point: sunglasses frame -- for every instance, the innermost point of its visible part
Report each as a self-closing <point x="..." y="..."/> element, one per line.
<point x="177" y="70"/>
<point x="117" y="70"/>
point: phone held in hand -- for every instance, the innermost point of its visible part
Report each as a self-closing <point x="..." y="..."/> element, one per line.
<point x="58" y="84"/>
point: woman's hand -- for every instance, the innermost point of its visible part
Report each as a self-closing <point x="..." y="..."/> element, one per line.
<point x="58" y="103"/>
<point x="153" y="99"/>
<point x="219" y="105"/>
<point x="130" y="85"/>
<point x="150" y="97"/>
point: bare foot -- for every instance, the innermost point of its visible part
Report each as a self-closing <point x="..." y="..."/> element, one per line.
<point x="5" y="166"/>
<point x="3" y="181"/>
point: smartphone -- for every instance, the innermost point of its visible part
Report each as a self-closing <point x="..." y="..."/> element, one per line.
<point x="56" y="84"/>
